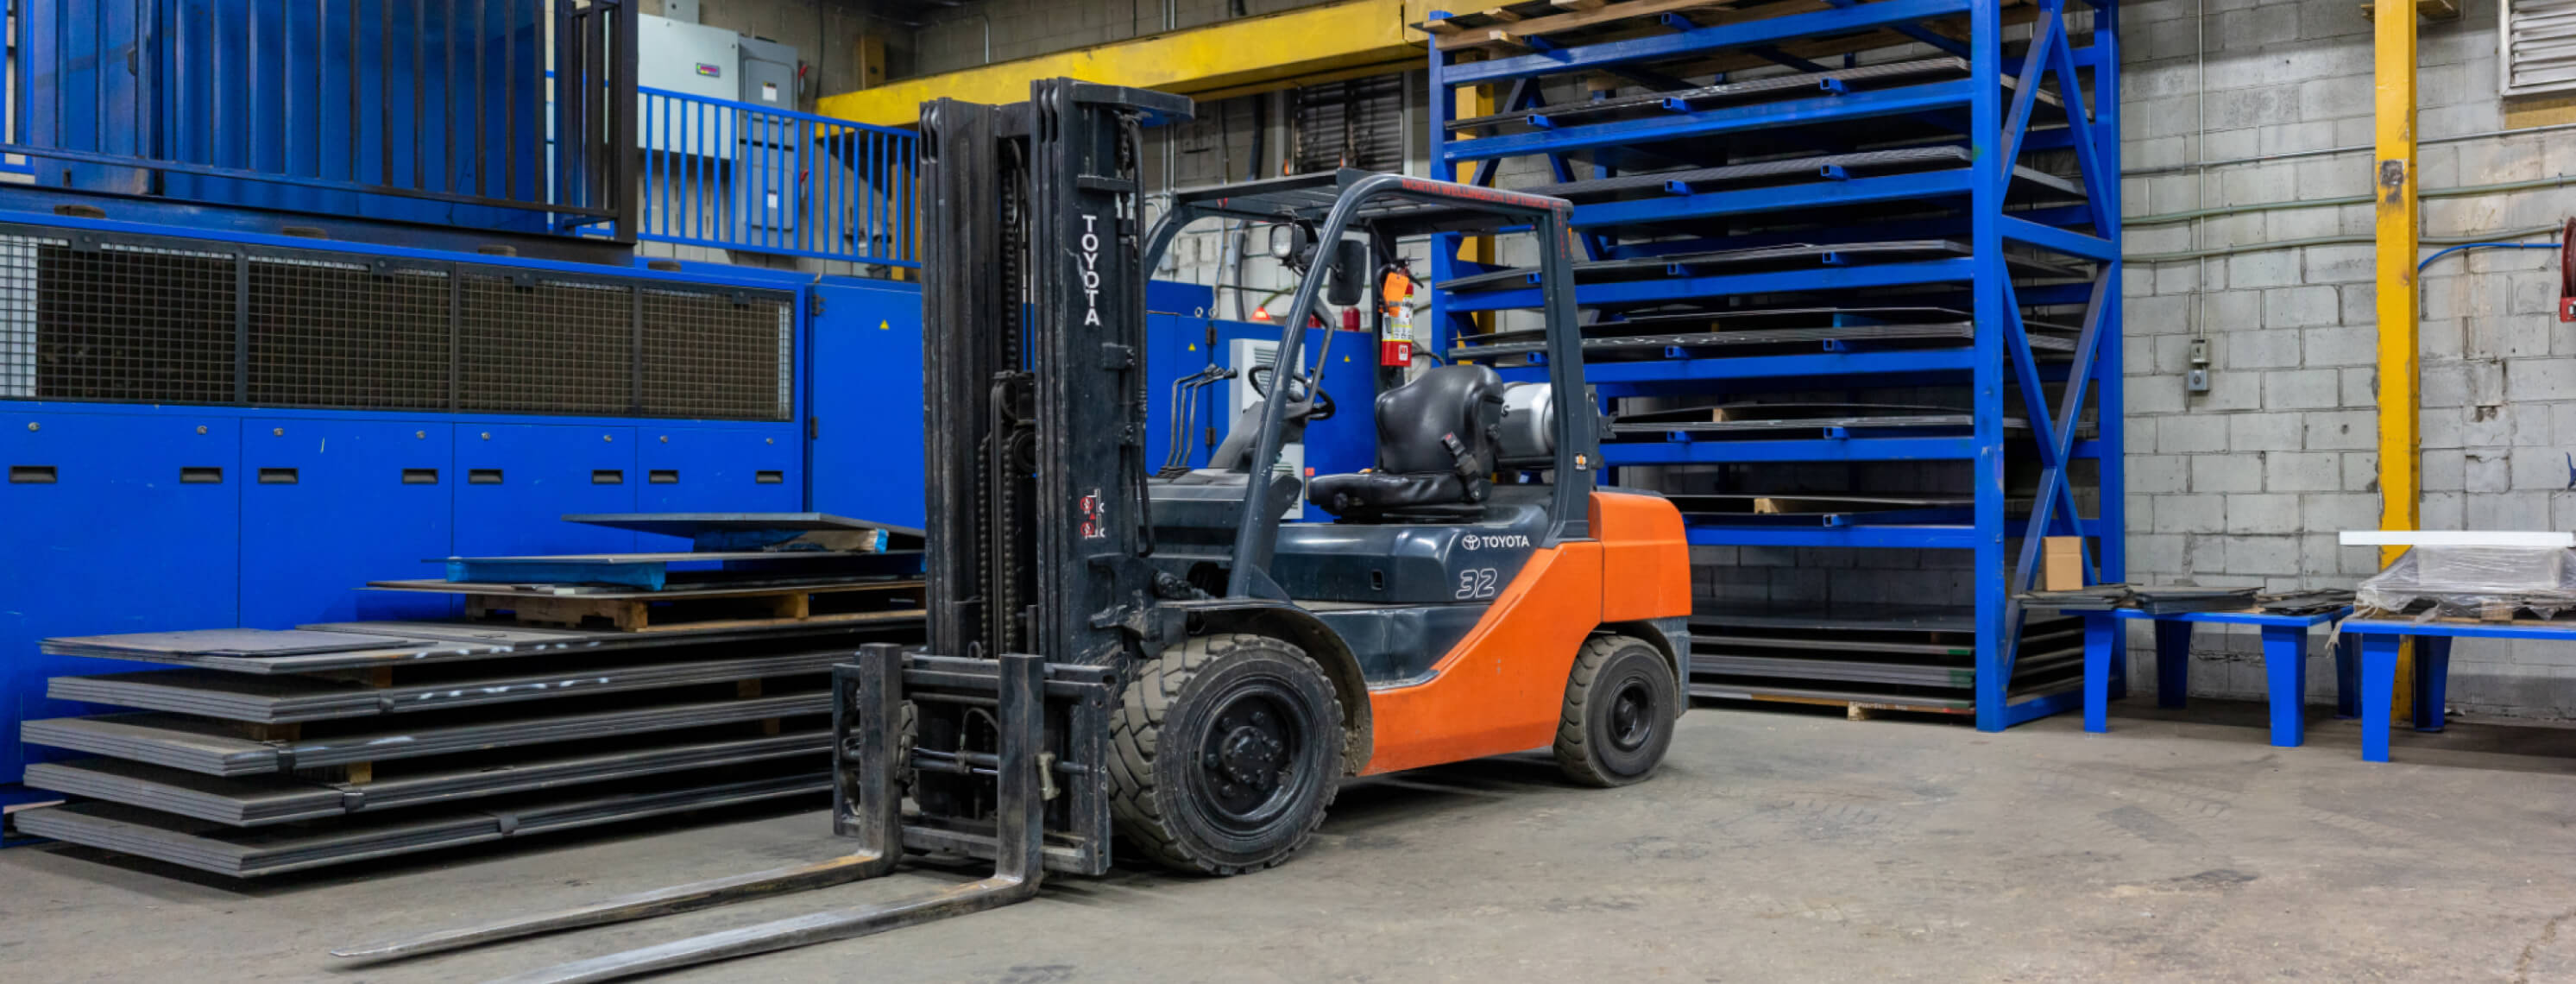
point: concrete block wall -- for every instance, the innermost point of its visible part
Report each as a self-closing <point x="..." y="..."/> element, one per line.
<point x="2247" y="483"/>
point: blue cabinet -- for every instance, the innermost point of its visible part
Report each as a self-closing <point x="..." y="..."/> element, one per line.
<point x="516" y="482"/>
<point x="717" y="469"/>
<point x="865" y="377"/>
<point x="115" y="524"/>
<point x="329" y="504"/>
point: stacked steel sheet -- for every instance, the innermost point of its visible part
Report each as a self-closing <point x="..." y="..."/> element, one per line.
<point x="273" y="751"/>
<point x="259" y="752"/>
<point x="1906" y="656"/>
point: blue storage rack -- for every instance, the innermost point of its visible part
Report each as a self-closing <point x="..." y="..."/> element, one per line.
<point x="1768" y="81"/>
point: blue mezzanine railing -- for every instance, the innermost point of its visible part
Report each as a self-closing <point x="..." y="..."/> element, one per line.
<point x="732" y="175"/>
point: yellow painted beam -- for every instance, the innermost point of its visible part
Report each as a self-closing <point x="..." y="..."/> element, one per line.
<point x="2393" y="179"/>
<point x="1233" y="57"/>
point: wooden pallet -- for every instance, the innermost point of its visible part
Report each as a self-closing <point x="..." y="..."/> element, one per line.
<point x="287" y="733"/>
<point x="1521" y="27"/>
<point x="1860" y="710"/>
<point x="1524" y="27"/>
<point x="700" y="610"/>
<point x="2493" y="613"/>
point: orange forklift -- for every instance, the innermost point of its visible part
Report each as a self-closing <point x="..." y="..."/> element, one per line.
<point x="1120" y="654"/>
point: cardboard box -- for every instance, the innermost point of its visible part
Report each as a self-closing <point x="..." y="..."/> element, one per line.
<point x="2062" y="563"/>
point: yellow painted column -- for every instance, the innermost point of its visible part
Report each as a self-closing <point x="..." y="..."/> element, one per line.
<point x="1474" y="101"/>
<point x="2393" y="179"/>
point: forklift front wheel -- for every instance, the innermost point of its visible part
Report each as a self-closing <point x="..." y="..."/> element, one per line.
<point x="1620" y="705"/>
<point x="1227" y="750"/>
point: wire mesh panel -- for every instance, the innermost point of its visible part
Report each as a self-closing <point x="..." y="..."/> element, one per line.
<point x="545" y="346"/>
<point x="87" y="316"/>
<point x="134" y="324"/>
<point x="18" y="315"/>
<point x="337" y="334"/>
<point x="711" y="355"/>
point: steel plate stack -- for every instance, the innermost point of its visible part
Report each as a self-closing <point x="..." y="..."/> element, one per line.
<point x="1906" y="657"/>
<point x="258" y="752"/>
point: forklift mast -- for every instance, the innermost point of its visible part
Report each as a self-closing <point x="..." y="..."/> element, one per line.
<point x="1034" y="371"/>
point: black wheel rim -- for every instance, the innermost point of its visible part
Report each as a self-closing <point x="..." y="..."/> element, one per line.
<point x="1632" y="715"/>
<point x="1248" y="759"/>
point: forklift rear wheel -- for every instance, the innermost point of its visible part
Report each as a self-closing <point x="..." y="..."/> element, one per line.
<point x="1620" y="704"/>
<point x="1228" y="749"/>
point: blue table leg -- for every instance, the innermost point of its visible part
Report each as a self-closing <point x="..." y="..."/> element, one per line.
<point x="2099" y="628"/>
<point x="2119" y="665"/>
<point x="2432" y="680"/>
<point x="2285" y="669"/>
<point x="2173" y="662"/>
<point x="2347" y="676"/>
<point x="2378" y="693"/>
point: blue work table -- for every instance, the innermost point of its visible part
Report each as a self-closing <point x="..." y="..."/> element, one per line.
<point x="2285" y="663"/>
<point x="2379" y="638"/>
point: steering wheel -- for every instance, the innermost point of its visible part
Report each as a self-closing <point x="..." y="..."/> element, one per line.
<point x="1320" y="407"/>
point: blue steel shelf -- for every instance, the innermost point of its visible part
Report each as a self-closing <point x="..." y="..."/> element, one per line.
<point x="1822" y="278"/>
<point x="1684" y="205"/>
<point x="1936" y="536"/>
<point x="1715" y="122"/>
<point x="1991" y="113"/>
<point x="1818" y="449"/>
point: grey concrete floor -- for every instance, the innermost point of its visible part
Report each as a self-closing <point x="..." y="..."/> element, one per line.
<point x="1773" y="846"/>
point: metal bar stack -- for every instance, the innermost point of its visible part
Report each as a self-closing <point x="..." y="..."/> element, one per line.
<point x="262" y="751"/>
<point x="1850" y="295"/>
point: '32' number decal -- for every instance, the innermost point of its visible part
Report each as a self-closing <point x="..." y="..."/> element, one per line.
<point x="1476" y="582"/>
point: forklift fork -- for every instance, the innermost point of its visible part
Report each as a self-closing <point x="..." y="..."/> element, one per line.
<point x="867" y="715"/>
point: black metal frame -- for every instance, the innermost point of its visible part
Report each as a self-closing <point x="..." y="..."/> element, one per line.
<point x="1024" y="694"/>
<point x="1387" y="207"/>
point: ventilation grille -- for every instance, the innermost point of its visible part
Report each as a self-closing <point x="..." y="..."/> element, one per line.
<point x="1352" y="123"/>
<point x="328" y="334"/>
<point x="547" y="347"/>
<point x="150" y="320"/>
<point x="133" y="324"/>
<point x="702" y="350"/>
<point x="2538" y="46"/>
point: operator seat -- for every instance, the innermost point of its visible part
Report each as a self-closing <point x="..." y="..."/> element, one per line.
<point x="1436" y="441"/>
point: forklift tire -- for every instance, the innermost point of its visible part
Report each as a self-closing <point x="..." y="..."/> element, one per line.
<point x="1225" y="752"/>
<point x="1620" y="705"/>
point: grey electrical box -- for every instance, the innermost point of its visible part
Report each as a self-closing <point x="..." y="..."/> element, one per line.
<point x="692" y="59"/>
<point x="768" y="73"/>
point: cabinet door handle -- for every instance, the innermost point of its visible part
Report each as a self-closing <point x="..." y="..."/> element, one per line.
<point x="769" y="478"/>
<point x="663" y="476"/>
<point x="607" y="476"/>
<point x="278" y="476"/>
<point x="31" y="474"/>
<point x="420" y="476"/>
<point x="482" y="476"/>
<point x="205" y="475"/>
